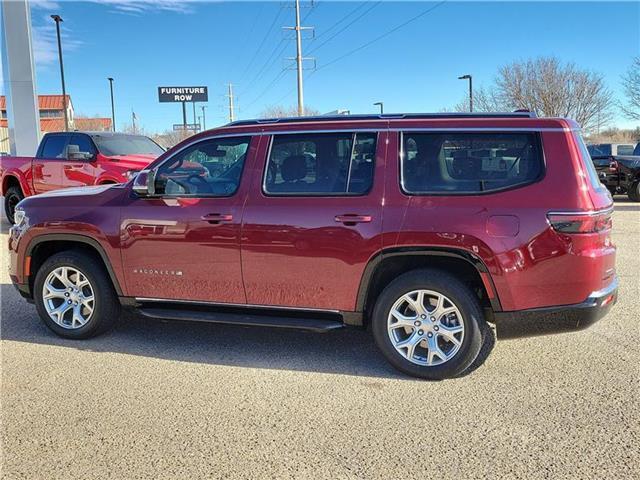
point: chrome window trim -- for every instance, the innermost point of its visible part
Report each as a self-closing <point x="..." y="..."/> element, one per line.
<point x="354" y="131"/>
<point x="459" y="194"/>
<point x="196" y="142"/>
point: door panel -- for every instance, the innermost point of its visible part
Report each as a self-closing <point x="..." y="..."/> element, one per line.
<point x="309" y="251"/>
<point x="185" y="245"/>
<point x="79" y="173"/>
<point x="47" y="169"/>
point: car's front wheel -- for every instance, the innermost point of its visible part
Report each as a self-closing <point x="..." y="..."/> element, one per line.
<point x="74" y="295"/>
<point x="12" y="197"/>
<point x="428" y="324"/>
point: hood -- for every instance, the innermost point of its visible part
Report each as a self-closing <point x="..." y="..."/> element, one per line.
<point x="133" y="162"/>
<point x="75" y="191"/>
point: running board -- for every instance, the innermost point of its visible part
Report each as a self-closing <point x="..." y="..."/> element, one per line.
<point x="238" y="318"/>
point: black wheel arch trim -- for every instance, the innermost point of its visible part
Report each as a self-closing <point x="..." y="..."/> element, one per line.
<point x="458" y="253"/>
<point x="77" y="238"/>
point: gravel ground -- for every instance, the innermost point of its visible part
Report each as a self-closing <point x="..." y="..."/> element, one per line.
<point x="170" y="401"/>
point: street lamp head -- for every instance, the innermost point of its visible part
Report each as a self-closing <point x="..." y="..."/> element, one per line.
<point x="378" y="103"/>
<point x="464" y="77"/>
<point x="57" y="18"/>
<point x="110" y="79"/>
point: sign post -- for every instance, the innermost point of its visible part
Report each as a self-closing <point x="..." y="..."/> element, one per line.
<point x="183" y="95"/>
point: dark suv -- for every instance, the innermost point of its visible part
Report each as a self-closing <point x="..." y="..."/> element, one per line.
<point x="421" y="227"/>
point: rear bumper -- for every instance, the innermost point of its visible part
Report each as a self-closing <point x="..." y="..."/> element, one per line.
<point x="565" y="318"/>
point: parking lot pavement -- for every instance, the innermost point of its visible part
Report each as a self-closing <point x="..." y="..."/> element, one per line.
<point x="173" y="400"/>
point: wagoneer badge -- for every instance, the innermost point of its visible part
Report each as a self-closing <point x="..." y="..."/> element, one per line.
<point x="153" y="271"/>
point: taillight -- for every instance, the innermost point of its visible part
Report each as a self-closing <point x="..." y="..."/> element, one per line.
<point x="613" y="166"/>
<point x="577" y="222"/>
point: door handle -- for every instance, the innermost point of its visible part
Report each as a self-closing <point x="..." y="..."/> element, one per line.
<point x="351" y="219"/>
<point x="216" y="218"/>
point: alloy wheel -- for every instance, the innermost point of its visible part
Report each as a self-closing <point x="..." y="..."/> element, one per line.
<point x="68" y="297"/>
<point x="425" y="327"/>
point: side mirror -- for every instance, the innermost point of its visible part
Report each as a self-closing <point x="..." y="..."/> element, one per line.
<point x="144" y="183"/>
<point x="74" y="153"/>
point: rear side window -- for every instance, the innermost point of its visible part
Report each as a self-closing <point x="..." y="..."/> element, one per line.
<point x="468" y="163"/>
<point x="54" y="146"/>
<point x="321" y="164"/>
<point x="588" y="163"/>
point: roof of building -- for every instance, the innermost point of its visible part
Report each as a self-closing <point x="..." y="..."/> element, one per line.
<point x="98" y="123"/>
<point x="57" y="124"/>
<point x="45" y="102"/>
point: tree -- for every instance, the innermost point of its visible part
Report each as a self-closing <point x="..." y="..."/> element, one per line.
<point x="551" y="89"/>
<point x="280" y="111"/>
<point x="631" y="84"/>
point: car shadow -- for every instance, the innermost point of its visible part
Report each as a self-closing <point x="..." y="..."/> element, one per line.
<point x="345" y="351"/>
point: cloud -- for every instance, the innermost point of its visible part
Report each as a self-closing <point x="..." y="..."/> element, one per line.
<point x="134" y="7"/>
<point x="45" y="43"/>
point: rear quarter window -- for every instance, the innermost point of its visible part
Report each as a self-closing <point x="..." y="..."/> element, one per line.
<point x="469" y="163"/>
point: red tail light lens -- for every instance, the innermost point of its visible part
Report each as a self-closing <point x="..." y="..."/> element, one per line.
<point x="587" y="222"/>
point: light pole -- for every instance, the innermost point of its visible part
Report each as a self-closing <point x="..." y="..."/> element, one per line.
<point x="58" y="19"/>
<point x="113" y="110"/>
<point x="381" y="105"/>
<point x="468" y="77"/>
<point x="204" y="121"/>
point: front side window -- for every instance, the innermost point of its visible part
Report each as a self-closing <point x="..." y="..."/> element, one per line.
<point x="468" y="163"/>
<point x="321" y="164"/>
<point x="211" y="168"/>
<point x="83" y="142"/>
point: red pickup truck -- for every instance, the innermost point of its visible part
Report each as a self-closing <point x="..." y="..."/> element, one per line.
<point x="72" y="159"/>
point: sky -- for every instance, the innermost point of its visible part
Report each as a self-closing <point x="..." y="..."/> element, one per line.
<point x="413" y="68"/>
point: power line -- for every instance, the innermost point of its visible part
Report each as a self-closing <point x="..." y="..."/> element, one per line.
<point x="343" y="19"/>
<point x="264" y="39"/>
<point x="345" y="27"/>
<point x="276" y="52"/>
<point x="380" y="37"/>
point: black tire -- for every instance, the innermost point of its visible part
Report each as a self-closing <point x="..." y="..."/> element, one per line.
<point x="634" y="192"/>
<point x="461" y="296"/>
<point x="11" y="198"/>
<point x="106" y="307"/>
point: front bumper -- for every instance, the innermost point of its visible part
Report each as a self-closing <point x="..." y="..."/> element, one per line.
<point x="565" y="318"/>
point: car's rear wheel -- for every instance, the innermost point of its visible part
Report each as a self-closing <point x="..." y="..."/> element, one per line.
<point x="634" y="192"/>
<point x="74" y="295"/>
<point x="11" y="199"/>
<point x="427" y="324"/>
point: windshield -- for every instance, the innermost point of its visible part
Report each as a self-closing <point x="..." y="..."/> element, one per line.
<point x="113" y="145"/>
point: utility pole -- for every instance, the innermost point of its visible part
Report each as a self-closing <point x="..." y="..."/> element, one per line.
<point x="58" y="19"/>
<point x="113" y="110"/>
<point x="232" y="116"/>
<point x="194" y="113"/>
<point x="133" y="122"/>
<point x="299" y="58"/>
<point x="204" y="122"/>
<point x="184" y="116"/>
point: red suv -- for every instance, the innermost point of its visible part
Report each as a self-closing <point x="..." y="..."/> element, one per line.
<point x="422" y="227"/>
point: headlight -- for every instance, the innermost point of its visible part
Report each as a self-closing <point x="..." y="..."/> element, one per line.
<point x="131" y="174"/>
<point x="19" y="217"/>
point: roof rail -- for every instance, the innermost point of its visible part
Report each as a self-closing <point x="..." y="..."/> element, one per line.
<point x="386" y="116"/>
